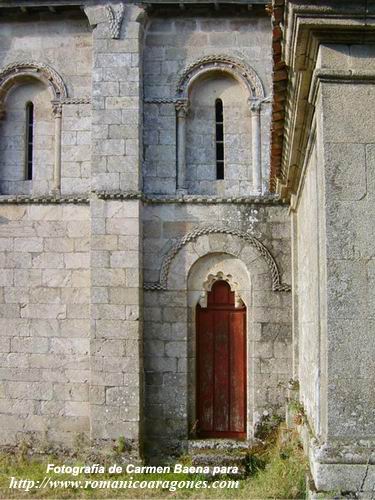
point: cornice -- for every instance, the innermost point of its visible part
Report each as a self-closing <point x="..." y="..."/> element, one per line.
<point x="303" y="27"/>
<point x="57" y="3"/>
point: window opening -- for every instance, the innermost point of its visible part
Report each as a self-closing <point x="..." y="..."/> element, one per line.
<point x="219" y="139"/>
<point x="29" y="140"/>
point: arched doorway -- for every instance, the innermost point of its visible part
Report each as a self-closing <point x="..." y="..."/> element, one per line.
<point x="221" y="365"/>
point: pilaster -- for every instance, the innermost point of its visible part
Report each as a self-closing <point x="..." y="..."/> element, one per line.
<point x="116" y="235"/>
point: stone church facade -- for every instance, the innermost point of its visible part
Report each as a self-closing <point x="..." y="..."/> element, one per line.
<point x="169" y="170"/>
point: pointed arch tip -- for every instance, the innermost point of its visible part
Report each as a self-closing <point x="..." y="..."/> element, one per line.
<point x="40" y="71"/>
<point x="162" y="284"/>
<point x="228" y="64"/>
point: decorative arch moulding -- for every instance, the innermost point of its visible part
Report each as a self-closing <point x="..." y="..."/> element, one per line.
<point x="41" y="71"/>
<point x="237" y="68"/>
<point x="217" y="62"/>
<point x="13" y="72"/>
<point x="162" y="284"/>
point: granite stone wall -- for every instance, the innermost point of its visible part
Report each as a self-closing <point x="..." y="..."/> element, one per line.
<point x="310" y="291"/>
<point x="116" y="257"/>
<point x="99" y="280"/>
<point x="171" y="45"/>
<point x="44" y="322"/>
<point x="169" y="324"/>
<point x="66" y="46"/>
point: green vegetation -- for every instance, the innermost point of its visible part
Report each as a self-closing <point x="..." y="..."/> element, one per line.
<point x="279" y="468"/>
<point x="276" y="468"/>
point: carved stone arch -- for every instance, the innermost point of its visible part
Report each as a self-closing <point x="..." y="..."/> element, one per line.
<point x="15" y="72"/>
<point x="162" y="284"/>
<point x="226" y="64"/>
<point x="20" y="71"/>
<point x="249" y="79"/>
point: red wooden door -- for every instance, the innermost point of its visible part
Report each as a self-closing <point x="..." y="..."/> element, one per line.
<point x="221" y="365"/>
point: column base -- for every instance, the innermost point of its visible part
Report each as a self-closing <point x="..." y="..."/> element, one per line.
<point x="345" y="467"/>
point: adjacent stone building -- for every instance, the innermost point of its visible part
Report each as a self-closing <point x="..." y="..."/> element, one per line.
<point x="185" y="225"/>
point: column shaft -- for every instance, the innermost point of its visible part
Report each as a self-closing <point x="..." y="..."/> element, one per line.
<point x="181" y="110"/>
<point x="256" y="146"/>
<point x="57" y="111"/>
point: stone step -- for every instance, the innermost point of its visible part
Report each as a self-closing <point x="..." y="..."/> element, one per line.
<point x="217" y="444"/>
<point x="222" y="463"/>
<point x="220" y="455"/>
<point x="219" y="458"/>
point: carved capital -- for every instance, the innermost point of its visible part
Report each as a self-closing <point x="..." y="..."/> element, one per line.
<point x="254" y="105"/>
<point x="56" y="109"/>
<point x="182" y="108"/>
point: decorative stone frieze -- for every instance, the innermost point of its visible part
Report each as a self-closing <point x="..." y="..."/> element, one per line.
<point x="266" y="199"/>
<point x="75" y="100"/>
<point x="42" y="200"/>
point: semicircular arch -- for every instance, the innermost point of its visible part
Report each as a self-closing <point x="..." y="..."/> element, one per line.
<point x="239" y="70"/>
<point x="14" y="73"/>
<point x="243" y="245"/>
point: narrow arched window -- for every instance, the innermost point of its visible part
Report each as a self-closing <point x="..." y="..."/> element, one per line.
<point x="219" y="116"/>
<point x="29" y="140"/>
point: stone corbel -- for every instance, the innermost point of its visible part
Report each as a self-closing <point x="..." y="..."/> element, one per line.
<point x="115" y="17"/>
<point x="182" y="109"/>
<point x="255" y="107"/>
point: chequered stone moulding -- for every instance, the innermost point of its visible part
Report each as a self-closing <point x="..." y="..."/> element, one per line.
<point x="76" y="100"/>
<point x="42" y="200"/>
<point x="105" y="195"/>
<point x="267" y="199"/>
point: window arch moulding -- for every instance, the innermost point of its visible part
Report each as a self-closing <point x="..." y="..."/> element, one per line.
<point x="241" y="71"/>
<point x="249" y="79"/>
<point x="16" y="72"/>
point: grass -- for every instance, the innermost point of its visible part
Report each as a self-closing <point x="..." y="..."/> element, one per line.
<point x="282" y="468"/>
<point x="277" y="471"/>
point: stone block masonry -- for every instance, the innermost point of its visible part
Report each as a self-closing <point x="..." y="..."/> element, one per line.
<point x="96" y="315"/>
<point x="169" y="315"/>
<point x="116" y="254"/>
<point x="44" y="322"/>
<point x="116" y="315"/>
